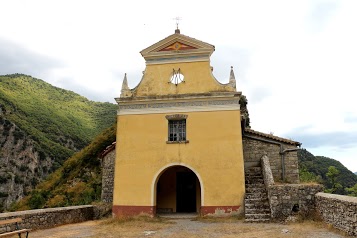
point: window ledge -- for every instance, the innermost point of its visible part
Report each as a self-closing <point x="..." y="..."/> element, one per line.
<point x="178" y="142"/>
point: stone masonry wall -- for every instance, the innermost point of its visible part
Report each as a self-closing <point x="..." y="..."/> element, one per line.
<point x="108" y="177"/>
<point x="338" y="210"/>
<point x="254" y="150"/>
<point x="50" y="217"/>
<point x="266" y="170"/>
<point x="290" y="199"/>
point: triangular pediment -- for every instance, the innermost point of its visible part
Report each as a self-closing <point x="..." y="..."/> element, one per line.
<point x="177" y="45"/>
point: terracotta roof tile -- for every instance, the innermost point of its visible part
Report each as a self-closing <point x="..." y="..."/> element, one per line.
<point x="108" y="149"/>
<point x="270" y="136"/>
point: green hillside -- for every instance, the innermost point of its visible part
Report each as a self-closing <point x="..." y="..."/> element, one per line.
<point x="317" y="167"/>
<point x="59" y="121"/>
<point x="77" y="182"/>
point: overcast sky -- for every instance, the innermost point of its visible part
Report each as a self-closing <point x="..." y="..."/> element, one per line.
<point x="296" y="61"/>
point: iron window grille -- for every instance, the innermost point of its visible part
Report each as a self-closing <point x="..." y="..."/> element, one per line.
<point x="177" y="128"/>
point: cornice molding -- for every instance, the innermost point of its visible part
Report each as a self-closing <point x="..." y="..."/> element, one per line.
<point x="176" y="117"/>
<point x="178" y="58"/>
<point x="154" y="107"/>
<point x="181" y="97"/>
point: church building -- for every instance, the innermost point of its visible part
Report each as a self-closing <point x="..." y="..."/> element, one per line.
<point x="179" y="143"/>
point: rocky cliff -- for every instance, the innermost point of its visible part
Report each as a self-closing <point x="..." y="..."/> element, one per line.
<point x="21" y="165"/>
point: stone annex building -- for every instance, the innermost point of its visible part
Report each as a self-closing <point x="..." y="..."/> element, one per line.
<point x="184" y="144"/>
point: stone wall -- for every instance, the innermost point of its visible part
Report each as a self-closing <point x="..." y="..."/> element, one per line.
<point x="266" y="170"/>
<point x="288" y="199"/>
<point x="338" y="210"/>
<point x="292" y="199"/>
<point x="254" y="150"/>
<point x="108" y="176"/>
<point x="50" y="217"/>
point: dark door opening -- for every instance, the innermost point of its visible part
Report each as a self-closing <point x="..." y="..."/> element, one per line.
<point x="185" y="192"/>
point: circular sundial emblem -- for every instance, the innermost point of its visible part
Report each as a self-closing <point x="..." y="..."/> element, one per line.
<point x="177" y="77"/>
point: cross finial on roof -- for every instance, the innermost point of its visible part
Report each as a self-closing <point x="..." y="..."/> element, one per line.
<point x="177" y="19"/>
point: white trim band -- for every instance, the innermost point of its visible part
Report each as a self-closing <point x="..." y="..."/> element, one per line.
<point x="174" y="107"/>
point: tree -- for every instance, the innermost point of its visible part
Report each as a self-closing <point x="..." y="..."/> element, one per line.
<point x="352" y="191"/>
<point x="332" y="175"/>
<point x="308" y="177"/>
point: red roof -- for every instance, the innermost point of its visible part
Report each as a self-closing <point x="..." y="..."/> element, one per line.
<point x="270" y="136"/>
<point x="108" y="149"/>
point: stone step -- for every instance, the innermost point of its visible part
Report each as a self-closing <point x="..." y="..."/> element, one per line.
<point x="253" y="173"/>
<point x="255" y="185"/>
<point x="257" y="206"/>
<point x="262" y="204"/>
<point x="257" y="200"/>
<point x="255" y="190"/>
<point x="257" y="220"/>
<point x="254" y="169"/>
<point x="257" y="216"/>
<point x="260" y="175"/>
<point x="256" y="195"/>
<point x="255" y="180"/>
<point x="257" y="211"/>
<point x="253" y="176"/>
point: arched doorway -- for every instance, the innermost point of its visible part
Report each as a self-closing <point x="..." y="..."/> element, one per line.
<point x="178" y="190"/>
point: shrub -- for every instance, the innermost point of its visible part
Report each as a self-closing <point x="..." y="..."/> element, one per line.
<point x="37" y="199"/>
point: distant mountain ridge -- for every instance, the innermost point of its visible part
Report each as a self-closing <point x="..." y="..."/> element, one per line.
<point x="318" y="166"/>
<point x="40" y="127"/>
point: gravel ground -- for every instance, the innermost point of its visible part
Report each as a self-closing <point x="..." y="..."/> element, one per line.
<point x="188" y="228"/>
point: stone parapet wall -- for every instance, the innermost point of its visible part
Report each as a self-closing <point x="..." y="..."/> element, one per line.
<point x="50" y="217"/>
<point x="338" y="210"/>
<point x="254" y="150"/>
<point x="290" y="199"/>
<point x="108" y="177"/>
<point x="266" y="170"/>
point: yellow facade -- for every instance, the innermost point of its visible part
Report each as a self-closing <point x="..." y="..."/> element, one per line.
<point x="212" y="150"/>
<point x="155" y="81"/>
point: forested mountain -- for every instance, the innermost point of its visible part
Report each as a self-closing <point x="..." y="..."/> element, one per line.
<point x="316" y="167"/>
<point x="40" y="127"/>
